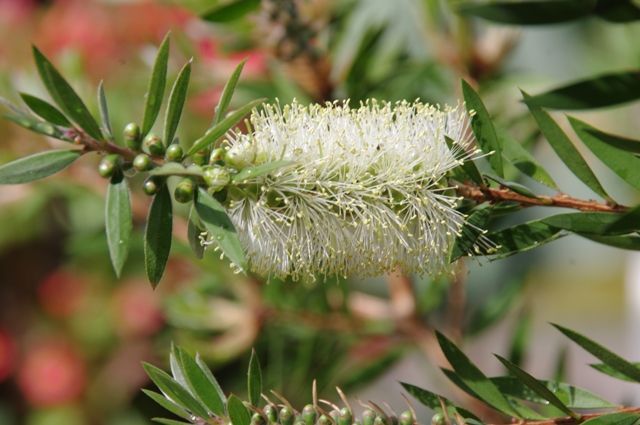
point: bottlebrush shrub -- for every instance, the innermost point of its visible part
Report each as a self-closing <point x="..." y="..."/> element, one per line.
<point x="325" y="189"/>
<point x="193" y="394"/>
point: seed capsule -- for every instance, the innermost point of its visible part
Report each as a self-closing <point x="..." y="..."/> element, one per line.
<point x="216" y="177"/>
<point x="131" y="135"/>
<point x="345" y="417"/>
<point x="309" y="414"/>
<point x="286" y="416"/>
<point x="324" y="420"/>
<point x="174" y="153"/>
<point x="151" y="186"/>
<point x="368" y="416"/>
<point x="240" y="155"/>
<point x="438" y="419"/>
<point x="153" y="145"/>
<point x="184" y="191"/>
<point x="406" y="418"/>
<point x="108" y="165"/>
<point x="142" y="162"/>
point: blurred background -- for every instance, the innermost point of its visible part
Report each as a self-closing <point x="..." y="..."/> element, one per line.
<point x="72" y="336"/>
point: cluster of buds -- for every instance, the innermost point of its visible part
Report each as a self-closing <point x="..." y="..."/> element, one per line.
<point x="312" y="415"/>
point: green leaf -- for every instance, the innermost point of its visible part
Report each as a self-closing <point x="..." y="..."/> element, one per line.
<point x="35" y="125"/>
<point x="572" y="397"/>
<point x="211" y="378"/>
<point x="619" y="142"/>
<point x="37" y="166"/>
<point x="177" y="98"/>
<point x="200" y="384"/>
<point x="64" y="95"/>
<point x="176" y="169"/>
<point x="157" y="237"/>
<point x="624" y="164"/>
<point x="517" y="155"/>
<point x="227" y="93"/>
<point x="230" y="11"/>
<point x="483" y="128"/>
<point x="468" y="166"/>
<point x="522" y="237"/>
<point x="520" y="338"/>
<point x="433" y="400"/>
<point x="118" y="222"/>
<point x="608" y="370"/>
<point x="259" y="170"/>
<point x="254" y="379"/>
<point x="564" y="148"/>
<point x="220" y="129"/>
<point x="630" y="242"/>
<point x="618" y="11"/>
<point x="194" y="229"/>
<point x="611" y="359"/>
<point x="604" y="90"/>
<point x="167" y="404"/>
<point x="219" y="225"/>
<point x="104" y="111"/>
<point x="536" y="386"/>
<point x="165" y="421"/>
<point x="623" y="418"/>
<point x="474" y="378"/>
<point x="532" y="12"/>
<point x="471" y="232"/>
<point x="175" y="391"/>
<point x="45" y="110"/>
<point x="238" y="413"/>
<point x="155" y="91"/>
<point x="596" y="223"/>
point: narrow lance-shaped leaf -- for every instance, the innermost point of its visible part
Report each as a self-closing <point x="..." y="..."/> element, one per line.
<point x="536" y="386"/>
<point x="626" y="223"/>
<point x="37" y="166"/>
<point x="238" y="413"/>
<point x="194" y="229"/>
<point x="630" y="242"/>
<point x="622" y="418"/>
<point x="104" y="111"/>
<point x="45" y="110"/>
<point x="624" y="164"/>
<point x="155" y="91"/>
<point x="609" y="358"/>
<point x="434" y="401"/>
<point x="619" y="11"/>
<point x="64" y="95"/>
<point x="596" y="223"/>
<point x="564" y="148"/>
<point x="619" y="142"/>
<point x="201" y="386"/>
<point x="605" y="90"/>
<point x="227" y="93"/>
<point x="516" y="154"/>
<point x="177" y="98"/>
<point x="211" y="378"/>
<point x="483" y="128"/>
<point x="157" y="238"/>
<point x="230" y="11"/>
<point x="167" y="404"/>
<point x="608" y="370"/>
<point x="533" y="12"/>
<point x="522" y="237"/>
<point x="37" y="126"/>
<point x="118" y="222"/>
<point x="219" y="225"/>
<point x="218" y="130"/>
<point x="474" y="378"/>
<point x="254" y="379"/>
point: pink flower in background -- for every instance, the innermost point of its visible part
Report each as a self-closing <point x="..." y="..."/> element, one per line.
<point x="137" y="309"/>
<point x="52" y="373"/>
<point x="7" y="354"/>
<point x="62" y="294"/>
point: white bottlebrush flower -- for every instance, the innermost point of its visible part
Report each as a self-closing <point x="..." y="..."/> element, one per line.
<point x="364" y="193"/>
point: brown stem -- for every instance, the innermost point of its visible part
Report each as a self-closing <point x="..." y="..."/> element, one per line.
<point x="582" y="418"/>
<point x="89" y="144"/>
<point x="491" y="194"/>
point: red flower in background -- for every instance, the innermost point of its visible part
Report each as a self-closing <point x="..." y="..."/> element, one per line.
<point x="137" y="309"/>
<point x="7" y="354"/>
<point x="62" y="293"/>
<point x="52" y="373"/>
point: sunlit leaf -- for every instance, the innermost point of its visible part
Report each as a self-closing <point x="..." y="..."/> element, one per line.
<point x="167" y="404"/>
<point x="155" y="91"/>
<point x="37" y="166"/>
<point x="517" y="155"/>
<point x="227" y="93"/>
<point x="238" y="413"/>
<point x="175" y="391"/>
<point x="45" y="110"/>
<point x="608" y="370"/>
<point x="104" y="111"/>
<point x="202" y="387"/>
<point x="177" y="98"/>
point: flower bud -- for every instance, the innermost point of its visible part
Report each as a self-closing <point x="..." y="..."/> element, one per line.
<point x="216" y="155"/>
<point x="309" y="414"/>
<point x="438" y="419"/>
<point x="153" y="145"/>
<point x="271" y="413"/>
<point x="406" y="418"/>
<point x="324" y="420"/>
<point x="131" y="135"/>
<point x="257" y="419"/>
<point x="345" y="416"/>
<point x="184" y="191"/>
<point x="240" y="155"/>
<point x="379" y="420"/>
<point x="200" y="157"/>
<point x="142" y="162"/>
<point x="108" y="165"/>
<point x="216" y="177"/>
<point x="286" y="416"/>
<point x="368" y="416"/>
<point x="174" y="153"/>
<point x="151" y="186"/>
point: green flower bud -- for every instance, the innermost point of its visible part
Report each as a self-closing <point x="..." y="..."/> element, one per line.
<point x="108" y="165"/>
<point x="200" y="157"/>
<point x="153" y="145"/>
<point x="174" y="153"/>
<point x="142" y="162"/>
<point x="151" y="186"/>
<point x="240" y="155"/>
<point x="257" y="419"/>
<point x="271" y="413"/>
<point x="309" y="414"/>
<point x="345" y="417"/>
<point x="286" y="416"/>
<point x="379" y="420"/>
<point x="216" y="177"/>
<point x="324" y="420"/>
<point x="438" y="419"/>
<point x="368" y="416"/>
<point x="216" y="155"/>
<point x="406" y="418"/>
<point x="132" y="135"/>
<point x="184" y="191"/>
